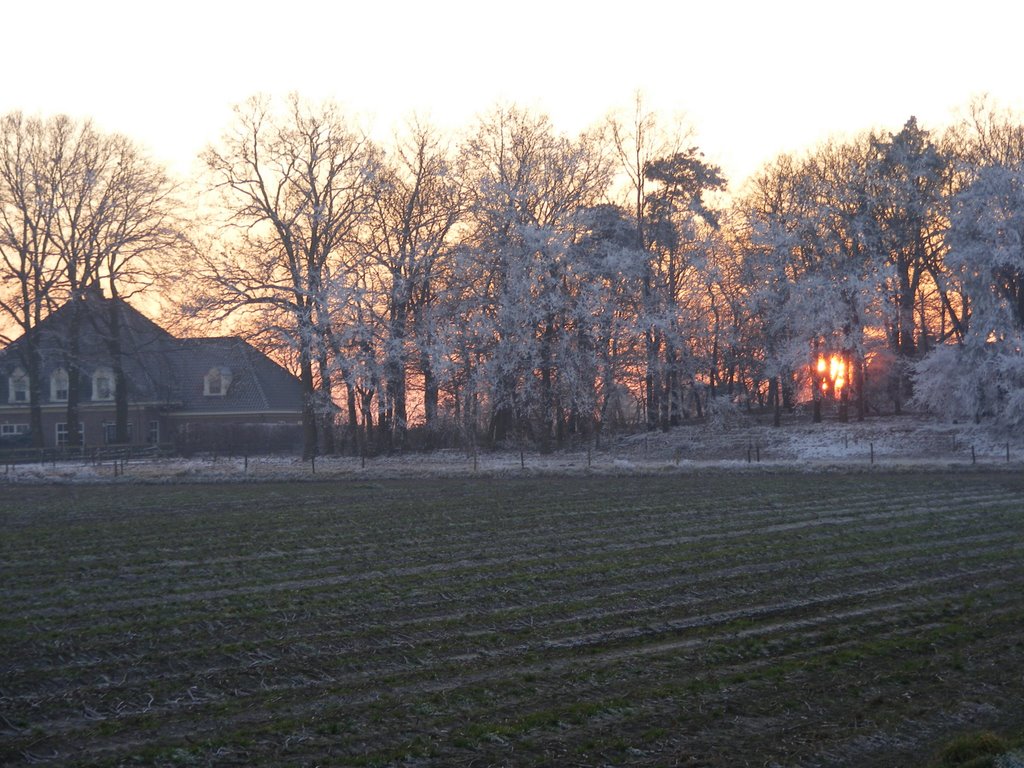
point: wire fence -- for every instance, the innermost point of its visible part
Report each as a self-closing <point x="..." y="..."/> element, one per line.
<point x="638" y="454"/>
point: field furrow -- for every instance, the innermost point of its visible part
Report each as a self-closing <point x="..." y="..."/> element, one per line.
<point x="792" y="619"/>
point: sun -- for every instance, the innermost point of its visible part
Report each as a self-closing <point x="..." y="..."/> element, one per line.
<point x="832" y="374"/>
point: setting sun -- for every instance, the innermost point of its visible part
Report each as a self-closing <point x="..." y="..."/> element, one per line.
<point x="832" y="372"/>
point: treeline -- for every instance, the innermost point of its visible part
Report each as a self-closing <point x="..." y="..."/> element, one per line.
<point x="518" y="284"/>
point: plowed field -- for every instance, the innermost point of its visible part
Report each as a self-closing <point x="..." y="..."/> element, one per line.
<point x="700" y="620"/>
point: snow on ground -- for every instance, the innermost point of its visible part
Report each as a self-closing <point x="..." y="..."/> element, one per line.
<point x="740" y="443"/>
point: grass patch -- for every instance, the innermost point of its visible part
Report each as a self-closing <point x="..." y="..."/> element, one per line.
<point x="971" y="750"/>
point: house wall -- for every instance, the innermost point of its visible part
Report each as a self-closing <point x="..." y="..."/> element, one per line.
<point x="202" y="394"/>
<point x="235" y="434"/>
<point x="94" y="421"/>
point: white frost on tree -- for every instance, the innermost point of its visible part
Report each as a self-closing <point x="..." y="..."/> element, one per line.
<point x="983" y="377"/>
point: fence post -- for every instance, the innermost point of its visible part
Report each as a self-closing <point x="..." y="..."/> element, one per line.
<point x="872" y="445"/>
<point x="974" y="457"/>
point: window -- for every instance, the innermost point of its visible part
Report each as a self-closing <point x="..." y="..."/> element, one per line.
<point x="217" y="381"/>
<point x="10" y="430"/>
<point x="153" y="438"/>
<point x="18" y="386"/>
<point x="110" y="432"/>
<point x="103" y="384"/>
<point x="62" y="434"/>
<point x="59" y="385"/>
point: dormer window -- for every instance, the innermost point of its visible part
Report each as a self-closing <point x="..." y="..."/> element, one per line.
<point x="59" y="385"/>
<point x="17" y="387"/>
<point x="103" y="384"/>
<point x="217" y="381"/>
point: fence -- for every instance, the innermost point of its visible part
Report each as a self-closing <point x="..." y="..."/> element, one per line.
<point x="11" y="457"/>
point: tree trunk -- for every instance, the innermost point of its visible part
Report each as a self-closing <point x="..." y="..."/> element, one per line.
<point x="775" y="400"/>
<point x="861" y="381"/>
<point x="34" y="371"/>
<point x="309" y="430"/>
<point x="384" y="416"/>
<point x="503" y="412"/>
<point x="366" y="405"/>
<point x="353" y="418"/>
<point x="72" y="354"/>
<point x="396" y="375"/>
<point x="673" y="388"/>
<point x="651" y="383"/>
<point x="430" y="398"/>
<point x="116" y="349"/>
<point x="326" y="397"/>
<point x="546" y="394"/>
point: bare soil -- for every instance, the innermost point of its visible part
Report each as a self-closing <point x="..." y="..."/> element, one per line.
<point x="704" y="618"/>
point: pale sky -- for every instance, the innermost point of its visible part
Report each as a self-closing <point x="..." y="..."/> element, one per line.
<point x="753" y="79"/>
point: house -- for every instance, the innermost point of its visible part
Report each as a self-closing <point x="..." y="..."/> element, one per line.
<point x="196" y="394"/>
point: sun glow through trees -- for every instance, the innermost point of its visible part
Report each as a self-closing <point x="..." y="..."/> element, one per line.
<point x="832" y="374"/>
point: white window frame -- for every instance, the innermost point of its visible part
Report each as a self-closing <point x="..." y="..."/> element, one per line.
<point x="55" y="381"/>
<point x="17" y="384"/>
<point x="110" y="432"/>
<point x="10" y="430"/>
<point x="103" y="374"/>
<point x="222" y="376"/>
<point x="62" y="442"/>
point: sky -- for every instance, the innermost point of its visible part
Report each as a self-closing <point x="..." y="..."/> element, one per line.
<point x="751" y="79"/>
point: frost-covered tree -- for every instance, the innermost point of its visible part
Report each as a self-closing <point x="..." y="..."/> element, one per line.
<point x="609" y="305"/>
<point x="823" y="275"/>
<point x="987" y="134"/>
<point x="638" y="139"/>
<point x="907" y="182"/>
<point x="770" y="217"/>
<point x="679" y="238"/>
<point x="983" y="376"/>
<point x="529" y="183"/>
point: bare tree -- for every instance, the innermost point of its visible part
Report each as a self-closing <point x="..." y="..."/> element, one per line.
<point x="82" y="210"/>
<point x="135" y="229"/>
<point x="417" y="204"/>
<point x="295" y="186"/>
<point x="29" y="266"/>
<point x="116" y="221"/>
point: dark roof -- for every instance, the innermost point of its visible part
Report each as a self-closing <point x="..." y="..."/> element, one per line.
<point x="142" y="342"/>
<point x="159" y="367"/>
<point x="257" y="382"/>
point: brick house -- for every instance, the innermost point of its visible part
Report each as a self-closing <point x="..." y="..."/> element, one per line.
<point x="197" y="394"/>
